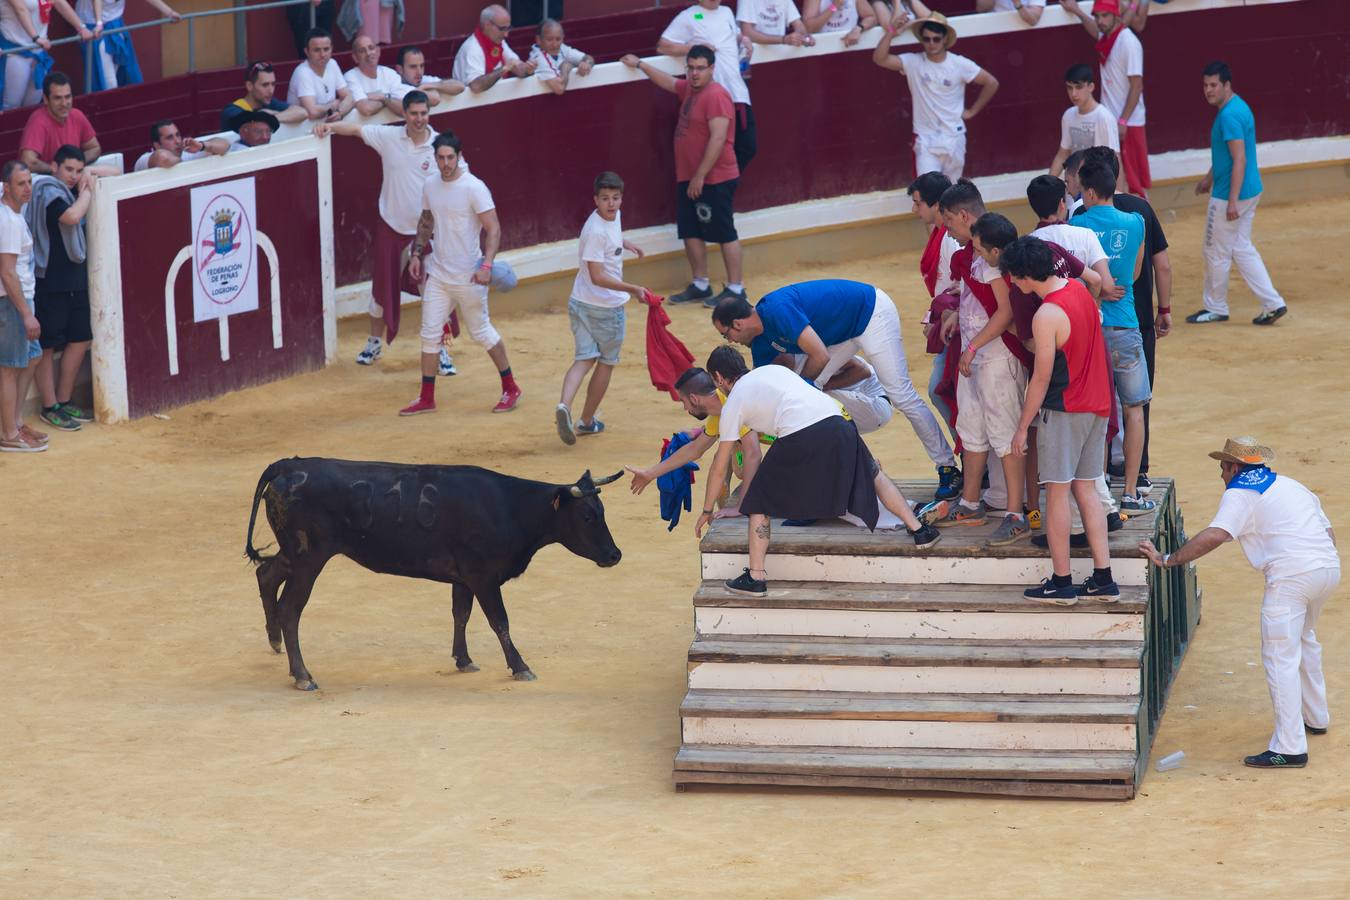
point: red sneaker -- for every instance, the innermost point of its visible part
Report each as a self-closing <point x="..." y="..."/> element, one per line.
<point x="418" y="406"/>
<point x="509" y="400"/>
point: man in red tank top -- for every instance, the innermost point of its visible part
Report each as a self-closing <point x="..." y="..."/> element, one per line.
<point x="1069" y="399"/>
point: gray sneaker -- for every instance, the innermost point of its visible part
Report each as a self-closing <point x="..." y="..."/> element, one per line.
<point x="960" y="515"/>
<point x="1137" y="504"/>
<point x="563" y="418"/>
<point x="1009" y="531"/>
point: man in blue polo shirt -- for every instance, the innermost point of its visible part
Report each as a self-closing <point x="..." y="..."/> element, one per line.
<point x="828" y="322"/>
<point x="1121" y="235"/>
<point x="1234" y="185"/>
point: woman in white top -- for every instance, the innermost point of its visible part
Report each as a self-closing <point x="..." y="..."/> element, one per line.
<point x="317" y="84"/>
<point x="22" y="25"/>
<point x="852" y="17"/>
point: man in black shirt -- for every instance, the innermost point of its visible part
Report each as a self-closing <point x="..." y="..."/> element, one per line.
<point x="1156" y="271"/>
<point x="56" y="218"/>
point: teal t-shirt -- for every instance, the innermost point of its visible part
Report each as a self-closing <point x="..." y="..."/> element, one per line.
<point x="1121" y="234"/>
<point x="1234" y="122"/>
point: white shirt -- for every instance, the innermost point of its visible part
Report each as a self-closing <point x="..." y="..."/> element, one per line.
<point x="470" y="62"/>
<point x="1007" y="5"/>
<point x="1126" y="59"/>
<point x="1283" y="531"/>
<point x="386" y="82"/>
<point x="143" y="161"/>
<point x="323" y="88"/>
<point x="844" y="17"/>
<point x="869" y="387"/>
<point x="455" y="206"/>
<point x="13" y="31"/>
<point x="602" y="242"/>
<point x="1081" y="242"/>
<point x="771" y="17"/>
<point x="549" y="68"/>
<point x="717" y="29"/>
<point x="946" y="250"/>
<point x="1075" y="206"/>
<point x="406" y="168"/>
<point x="1096" y="129"/>
<point x="15" y="238"/>
<point x="400" y="90"/>
<point x="112" y="9"/>
<point x="973" y="318"/>
<point x="774" y="400"/>
<point x="938" y="91"/>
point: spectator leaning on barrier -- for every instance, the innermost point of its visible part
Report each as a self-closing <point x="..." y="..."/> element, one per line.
<point x="53" y="125"/>
<point x="937" y="85"/>
<point x="411" y="67"/>
<point x="852" y="17"/>
<point x="111" y="58"/>
<point x="255" y="129"/>
<point x="55" y="218"/>
<point x="317" y="84"/>
<point x="710" y="24"/>
<point x="485" y="57"/>
<point x="23" y="23"/>
<point x="1086" y="123"/>
<point x="19" y="328"/>
<point x="261" y="84"/>
<point x="554" y="62"/>
<point x="299" y="14"/>
<point x="1234" y="183"/>
<point x="706" y="174"/>
<point x="773" y="22"/>
<point x="168" y="147"/>
<point x="373" y="86"/>
<point x="1029" y="10"/>
<point x="1121" y="58"/>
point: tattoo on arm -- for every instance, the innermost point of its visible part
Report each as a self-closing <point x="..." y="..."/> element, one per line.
<point x="425" y="224"/>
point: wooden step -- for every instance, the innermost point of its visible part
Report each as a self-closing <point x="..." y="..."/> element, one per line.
<point x="911" y="707"/>
<point x="870" y="652"/>
<point x="1062" y="773"/>
<point x="843" y="595"/>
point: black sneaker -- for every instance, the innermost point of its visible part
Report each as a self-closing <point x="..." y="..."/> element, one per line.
<point x="1107" y="593"/>
<point x="1313" y="729"/>
<point x="1046" y="592"/>
<point x="1272" y="760"/>
<point x="1114" y="522"/>
<point x="691" y="294"/>
<point x="1204" y="317"/>
<point x="57" y="417"/>
<point x="926" y="536"/>
<point x="1142" y="485"/>
<point x="726" y="292"/>
<point x="949" y="483"/>
<point x="1076" y="541"/>
<point x="79" y="414"/>
<point x="1269" y="317"/>
<point x="744" y="584"/>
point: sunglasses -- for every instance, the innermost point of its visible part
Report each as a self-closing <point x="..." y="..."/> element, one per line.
<point x="259" y="67"/>
<point x="933" y="39"/>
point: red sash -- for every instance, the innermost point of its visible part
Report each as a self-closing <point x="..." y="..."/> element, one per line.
<point x="492" y="53"/>
<point x="932" y="255"/>
<point x="1105" y="43"/>
<point x="961" y="262"/>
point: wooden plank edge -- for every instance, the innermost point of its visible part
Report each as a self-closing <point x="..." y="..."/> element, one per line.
<point x="1065" y="790"/>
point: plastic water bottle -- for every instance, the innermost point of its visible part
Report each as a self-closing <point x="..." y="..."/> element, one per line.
<point x="1171" y="761"/>
<point x="744" y="56"/>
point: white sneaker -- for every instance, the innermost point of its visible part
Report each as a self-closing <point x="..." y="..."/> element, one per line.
<point x="447" y="363"/>
<point x="372" y="352"/>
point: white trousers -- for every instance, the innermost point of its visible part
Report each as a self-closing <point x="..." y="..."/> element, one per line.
<point x="19" y="87"/>
<point x="869" y="413"/>
<point x="439" y="298"/>
<point x="1293" y="657"/>
<point x="945" y="153"/>
<point x="880" y="343"/>
<point x="1231" y="242"/>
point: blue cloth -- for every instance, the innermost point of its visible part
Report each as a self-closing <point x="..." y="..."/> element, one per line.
<point x="44" y="63"/>
<point x="1121" y="235"/>
<point x="676" y="487"/>
<point x="836" y="309"/>
<point x="123" y="54"/>
<point x="1253" y="478"/>
<point x="1234" y="122"/>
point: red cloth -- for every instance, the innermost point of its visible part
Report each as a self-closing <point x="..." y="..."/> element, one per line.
<point x="984" y="294"/>
<point x="1134" y="160"/>
<point x="697" y="109"/>
<point x="932" y="255"/>
<point x="44" y="135"/>
<point x="942" y="303"/>
<point x="1107" y="41"/>
<point x="492" y="53"/>
<point x="1107" y="6"/>
<point x="667" y="358"/>
<point x="1084" y="383"/>
<point x="389" y="278"/>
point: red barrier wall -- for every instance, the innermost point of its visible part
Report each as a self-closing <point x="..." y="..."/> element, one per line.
<point x="288" y="213"/>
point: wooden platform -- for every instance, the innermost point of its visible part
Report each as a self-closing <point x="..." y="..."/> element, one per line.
<point x="871" y="664"/>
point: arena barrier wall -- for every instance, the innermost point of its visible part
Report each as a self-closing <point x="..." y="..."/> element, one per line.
<point x="153" y="346"/>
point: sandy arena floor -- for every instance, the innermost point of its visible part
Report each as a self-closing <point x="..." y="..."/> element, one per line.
<point x="152" y="745"/>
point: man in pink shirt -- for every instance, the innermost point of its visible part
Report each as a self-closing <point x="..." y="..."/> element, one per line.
<point x="54" y="124"/>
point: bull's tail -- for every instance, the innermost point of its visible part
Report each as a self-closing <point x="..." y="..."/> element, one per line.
<point x="264" y="480"/>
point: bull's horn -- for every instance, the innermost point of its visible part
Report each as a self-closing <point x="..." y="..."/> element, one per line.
<point x="575" y="491"/>
<point x="615" y="477"/>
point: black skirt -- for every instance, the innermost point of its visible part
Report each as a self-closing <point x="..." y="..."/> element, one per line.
<point x="820" y="472"/>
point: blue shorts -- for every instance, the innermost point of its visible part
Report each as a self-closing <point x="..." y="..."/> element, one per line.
<point x="1126" y="346"/>
<point x="16" y="350"/>
<point x="597" y="331"/>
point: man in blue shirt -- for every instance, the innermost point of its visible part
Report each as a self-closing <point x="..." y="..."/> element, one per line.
<point x="830" y="321"/>
<point x="1121" y="235"/>
<point x="1234" y="186"/>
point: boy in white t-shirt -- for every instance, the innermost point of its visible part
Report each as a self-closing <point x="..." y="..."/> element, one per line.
<point x="554" y="61"/>
<point x="1086" y="123"/>
<point x="317" y="84"/>
<point x="595" y="309"/>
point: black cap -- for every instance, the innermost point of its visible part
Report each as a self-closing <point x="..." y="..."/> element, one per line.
<point x="257" y="115"/>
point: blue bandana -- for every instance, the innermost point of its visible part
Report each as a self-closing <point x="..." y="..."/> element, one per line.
<point x="1253" y="478"/>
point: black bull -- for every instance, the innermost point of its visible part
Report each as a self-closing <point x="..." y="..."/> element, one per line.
<point x="472" y="528"/>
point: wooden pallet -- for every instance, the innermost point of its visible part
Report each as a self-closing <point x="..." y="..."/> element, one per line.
<point x="871" y="664"/>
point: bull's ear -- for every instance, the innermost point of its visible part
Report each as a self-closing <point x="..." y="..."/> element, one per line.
<point x="585" y="482"/>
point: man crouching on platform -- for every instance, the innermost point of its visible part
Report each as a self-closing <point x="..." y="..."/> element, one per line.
<point x="818" y="467"/>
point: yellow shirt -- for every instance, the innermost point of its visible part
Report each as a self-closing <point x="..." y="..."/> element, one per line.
<point x="712" y="426"/>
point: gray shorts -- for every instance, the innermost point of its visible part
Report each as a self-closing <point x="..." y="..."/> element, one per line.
<point x="1070" y="446"/>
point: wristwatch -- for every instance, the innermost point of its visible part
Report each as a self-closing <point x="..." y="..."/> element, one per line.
<point x="1166" y="558"/>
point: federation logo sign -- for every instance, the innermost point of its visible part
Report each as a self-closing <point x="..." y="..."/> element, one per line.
<point x="224" y="250"/>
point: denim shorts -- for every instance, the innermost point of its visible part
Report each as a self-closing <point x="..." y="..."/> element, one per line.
<point x="16" y="350"/>
<point x="597" y="331"/>
<point x="1126" y="346"/>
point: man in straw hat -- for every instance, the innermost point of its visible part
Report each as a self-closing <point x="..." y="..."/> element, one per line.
<point x="1285" y="534"/>
<point x="937" y="83"/>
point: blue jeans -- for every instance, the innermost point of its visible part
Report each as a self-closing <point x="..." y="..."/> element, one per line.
<point x="1126" y="346"/>
<point x="944" y="410"/>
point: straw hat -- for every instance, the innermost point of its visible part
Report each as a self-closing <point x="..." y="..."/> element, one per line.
<point x="1245" y="451"/>
<point x="936" y="18"/>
